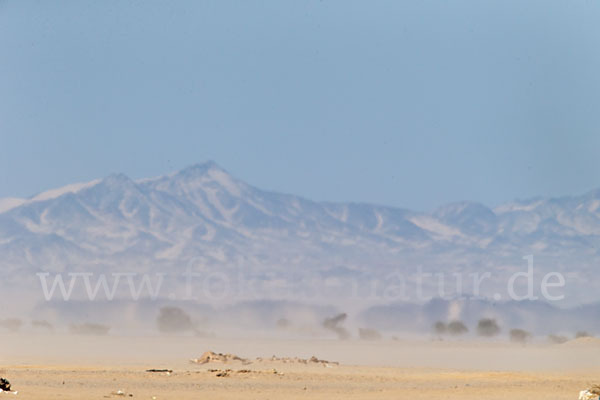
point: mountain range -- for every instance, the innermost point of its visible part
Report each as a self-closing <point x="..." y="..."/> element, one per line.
<point x="202" y="218"/>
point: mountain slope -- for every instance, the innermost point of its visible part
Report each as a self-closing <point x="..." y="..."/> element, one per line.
<point x="202" y="216"/>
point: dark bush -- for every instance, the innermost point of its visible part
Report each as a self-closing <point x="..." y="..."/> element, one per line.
<point x="89" y="329"/>
<point x="557" y="339"/>
<point x="519" y="336"/>
<point x="487" y="327"/>
<point x="333" y="324"/>
<point x="457" y="328"/>
<point x="11" y="324"/>
<point x="369" y="334"/>
<point x="42" y="325"/>
<point x="440" y="328"/>
<point x="173" y="319"/>
<point x="283" y="323"/>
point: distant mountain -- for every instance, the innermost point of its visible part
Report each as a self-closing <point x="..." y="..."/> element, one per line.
<point x="203" y="218"/>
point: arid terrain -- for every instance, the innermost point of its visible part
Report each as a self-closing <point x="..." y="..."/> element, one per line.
<point x="81" y="367"/>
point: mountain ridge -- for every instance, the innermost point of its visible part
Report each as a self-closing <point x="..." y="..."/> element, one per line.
<point x="203" y="213"/>
<point x="205" y="166"/>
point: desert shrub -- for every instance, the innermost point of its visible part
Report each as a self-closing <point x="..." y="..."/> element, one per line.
<point x="519" y="335"/>
<point x="487" y="327"/>
<point x="369" y="334"/>
<point x="583" y="334"/>
<point x="457" y="328"/>
<point x="333" y="324"/>
<point x="440" y="328"/>
<point x="557" y="339"/>
<point x="283" y="323"/>
<point x="42" y="325"/>
<point x="11" y="324"/>
<point x="89" y="329"/>
<point x="173" y="319"/>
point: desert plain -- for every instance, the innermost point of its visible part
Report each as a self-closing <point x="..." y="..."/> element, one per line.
<point x="61" y="366"/>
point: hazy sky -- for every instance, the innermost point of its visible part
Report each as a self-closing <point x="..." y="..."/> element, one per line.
<point x="407" y="103"/>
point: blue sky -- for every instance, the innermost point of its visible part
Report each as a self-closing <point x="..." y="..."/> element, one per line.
<point x="406" y="103"/>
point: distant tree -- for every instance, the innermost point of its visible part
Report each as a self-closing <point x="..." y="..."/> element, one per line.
<point x="487" y="327"/>
<point x="440" y="328"/>
<point x="334" y="324"/>
<point x="557" y="339"/>
<point x="89" y="328"/>
<point x="283" y="323"/>
<point x="457" y="328"/>
<point x="582" y="334"/>
<point x="42" y="324"/>
<point x="369" y="334"/>
<point x="173" y="319"/>
<point x="519" y="336"/>
<point x="11" y="324"/>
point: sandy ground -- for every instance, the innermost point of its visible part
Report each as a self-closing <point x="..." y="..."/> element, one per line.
<point x="72" y="367"/>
